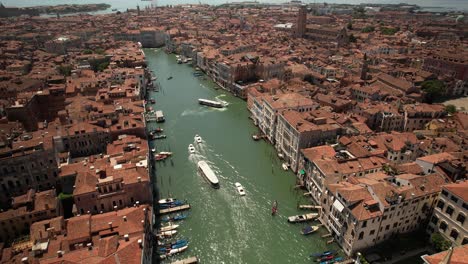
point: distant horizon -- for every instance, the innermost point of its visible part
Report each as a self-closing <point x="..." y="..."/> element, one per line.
<point x="447" y="5"/>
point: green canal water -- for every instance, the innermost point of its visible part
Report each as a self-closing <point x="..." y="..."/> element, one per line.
<point x="223" y="227"/>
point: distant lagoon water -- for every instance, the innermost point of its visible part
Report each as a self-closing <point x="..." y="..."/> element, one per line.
<point x="122" y="5"/>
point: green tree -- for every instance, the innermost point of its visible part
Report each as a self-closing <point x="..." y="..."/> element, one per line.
<point x="451" y="109"/>
<point x="99" y="51"/>
<point x="368" y="29"/>
<point x="349" y="26"/>
<point x="388" y="30"/>
<point x="433" y="89"/>
<point x="65" y="70"/>
<point x="439" y="242"/>
<point x="352" y="38"/>
<point x="102" y="66"/>
<point x="87" y="51"/>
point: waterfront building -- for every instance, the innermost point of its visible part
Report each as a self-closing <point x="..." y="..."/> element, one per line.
<point x="364" y="211"/>
<point x="450" y="213"/>
<point x="266" y="108"/>
<point x="298" y="130"/>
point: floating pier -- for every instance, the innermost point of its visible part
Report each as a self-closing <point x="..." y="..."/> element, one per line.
<point x="174" y="209"/>
<point x="309" y="207"/>
<point x="186" y="261"/>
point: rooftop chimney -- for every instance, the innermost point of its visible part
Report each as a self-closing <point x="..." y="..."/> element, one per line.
<point x="59" y="253"/>
<point x="24" y="260"/>
<point x="125" y="218"/>
<point x="90" y="246"/>
<point x="140" y="243"/>
<point x="126" y="237"/>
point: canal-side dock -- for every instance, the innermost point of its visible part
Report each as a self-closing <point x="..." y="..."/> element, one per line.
<point x="174" y="209"/>
<point x="190" y="260"/>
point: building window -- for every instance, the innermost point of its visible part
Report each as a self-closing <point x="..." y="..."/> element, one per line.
<point x="454" y="199"/>
<point x="372" y="232"/>
<point x="361" y="236"/>
<point x="443" y="226"/>
<point x="465" y="241"/>
<point x="454" y="234"/>
<point x="449" y="210"/>
<point x="461" y="218"/>
<point x="440" y="204"/>
<point x="387" y="227"/>
<point x="434" y="220"/>
<point x="364" y="224"/>
<point x="444" y="193"/>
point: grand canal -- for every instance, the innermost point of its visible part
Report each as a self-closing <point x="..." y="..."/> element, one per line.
<point x="223" y="227"/>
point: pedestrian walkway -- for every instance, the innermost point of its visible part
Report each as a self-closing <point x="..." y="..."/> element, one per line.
<point x="397" y="256"/>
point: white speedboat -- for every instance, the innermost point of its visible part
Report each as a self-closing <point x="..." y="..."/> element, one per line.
<point x="240" y="189"/>
<point x="167" y="233"/>
<point x="191" y="148"/>
<point x="302" y="218"/>
<point x="198" y="139"/>
<point x="168" y="228"/>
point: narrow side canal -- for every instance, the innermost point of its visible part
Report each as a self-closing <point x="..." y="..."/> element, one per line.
<point x="223" y="227"/>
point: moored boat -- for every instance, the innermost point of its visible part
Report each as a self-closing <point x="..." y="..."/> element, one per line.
<point x="158" y="136"/>
<point x="208" y="174"/>
<point x="274" y="208"/>
<point x="302" y="218"/>
<point x="285" y="166"/>
<point x="167" y="200"/>
<point x="166" y="233"/>
<point x="198" y="139"/>
<point x="174" y="218"/>
<point x="169" y="78"/>
<point x="322" y="254"/>
<point x="309" y="230"/>
<point x="168" y="228"/>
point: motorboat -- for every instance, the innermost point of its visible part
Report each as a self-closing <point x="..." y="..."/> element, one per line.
<point x="169" y="78"/>
<point x="191" y="148"/>
<point x="168" y="228"/>
<point x="302" y="218"/>
<point x="158" y="137"/>
<point x="178" y="244"/>
<point x="170" y="244"/>
<point x="173" y="251"/>
<point x="211" y="103"/>
<point x="322" y="254"/>
<point x="174" y="218"/>
<point x="240" y="189"/>
<point x="209" y="175"/>
<point x="167" y="200"/>
<point x="309" y="230"/>
<point x="166" y="233"/>
<point x="285" y="166"/>
<point x="198" y="139"/>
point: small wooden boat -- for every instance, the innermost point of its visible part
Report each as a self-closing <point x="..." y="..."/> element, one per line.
<point x="309" y="230"/>
<point x="173" y="204"/>
<point x="274" y="208"/>
<point x="160" y="157"/>
<point x="302" y="218"/>
<point x="169" y="78"/>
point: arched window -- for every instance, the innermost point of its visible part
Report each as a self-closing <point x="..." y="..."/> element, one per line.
<point x="454" y="234"/>
<point x="361" y="235"/>
<point x="443" y="226"/>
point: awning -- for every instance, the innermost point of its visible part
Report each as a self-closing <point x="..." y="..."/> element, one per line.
<point x="338" y="206"/>
<point x="302" y="172"/>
